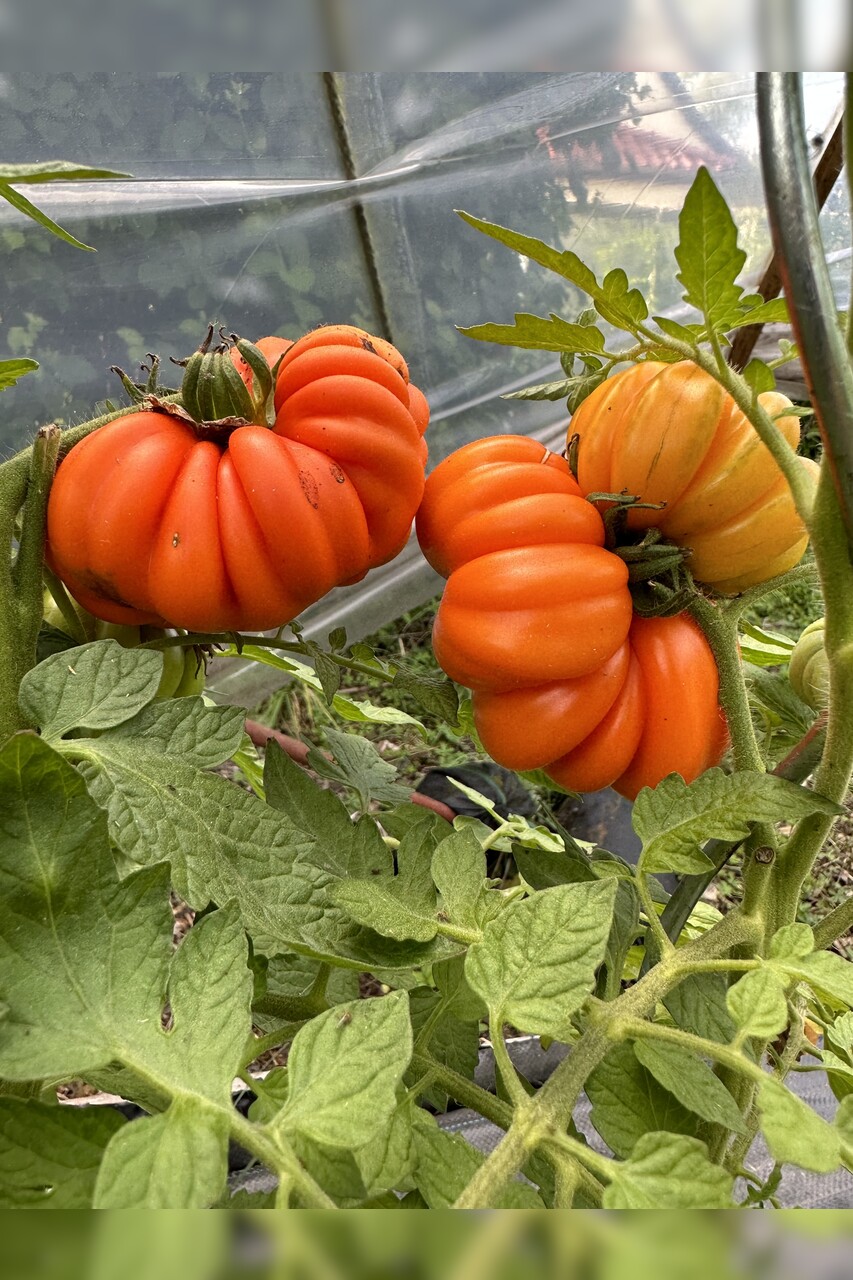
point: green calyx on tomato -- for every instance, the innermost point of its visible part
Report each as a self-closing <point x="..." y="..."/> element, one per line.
<point x="808" y="670"/>
<point x="217" y="393"/>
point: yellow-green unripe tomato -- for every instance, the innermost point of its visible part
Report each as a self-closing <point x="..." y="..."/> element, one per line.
<point x="808" y="670"/>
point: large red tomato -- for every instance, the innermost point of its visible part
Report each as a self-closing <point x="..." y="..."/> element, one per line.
<point x="536" y="619"/>
<point x="154" y="519"/>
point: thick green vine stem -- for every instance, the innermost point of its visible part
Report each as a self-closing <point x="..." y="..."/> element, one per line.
<point x="21" y="577"/>
<point x="542" y="1118"/>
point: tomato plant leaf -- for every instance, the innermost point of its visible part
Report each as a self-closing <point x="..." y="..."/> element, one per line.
<point x="459" y="873"/>
<point x="793" y="1132"/>
<point x="225" y="843"/>
<point x="775" y="311"/>
<point x="669" y="1171"/>
<point x="698" y="1005"/>
<point x="11" y="371"/>
<point x="691" y="1081"/>
<point x="358" y="765"/>
<point x="536" y="963"/>
<point x="826" y="972"/>
<point x="49" y="1155"/>
<point x="614" y="302"/>
<point x="708" y="255"/>
<point x="673" y="819"/>
<point x="383" y="1164"/>
<point x="344" y="1070"/>
<point x="627" y="1102"/>
<point x="403" y="907"/>
<point x="93" y="686"/>
<point x="337" y="843"/>
<point x="759" y="376"/>
<point x="434" y="694"/>
<point x="539" y="333"/>
<point x="178" y="1160"/>
<point x="758" y="1004"/>
<point x="447" y="1163"/>
<point x="557" y="390"/>
<point x="452" y="1041"/>
<point x="87" y="965"/>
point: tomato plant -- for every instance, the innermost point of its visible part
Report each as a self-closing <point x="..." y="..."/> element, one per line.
<point x="592" y="645"/>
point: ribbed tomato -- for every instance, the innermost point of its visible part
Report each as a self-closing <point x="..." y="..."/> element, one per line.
<point x="669" y="433"/>
<point x="532" y="593"/>
<point x="153" y="519"/>
<point x="537" y="620"/>
<point x="650" y="710"/>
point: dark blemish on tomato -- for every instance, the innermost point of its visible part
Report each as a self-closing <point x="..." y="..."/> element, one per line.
<point x="336" y="474"/>
<point x="368" y="345"/>
<point x="176" y="537"/>
<point x="309" y="487"/>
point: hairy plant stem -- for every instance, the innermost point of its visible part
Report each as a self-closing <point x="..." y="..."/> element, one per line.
<point x="548" y="1113"/>
<point x="834" y="926"/>
<point x="848" y="165"/>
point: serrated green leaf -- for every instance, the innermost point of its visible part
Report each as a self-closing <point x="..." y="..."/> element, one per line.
<point x="623" y="932"/>
<point x="435" y="694"/>
<point x="87" y="959"/>
<point x="338" y="845"/>
<point x="828" y="974"/>
<point x="459" y="874"/>
<point x="621" y="299"/>
<point x="93" y="686"/>
<point x="759" y="376"/>
<point x="690" y="333"/>
<point x="11" y="371"/>
<point x="698" y="1005"/>
<point x="328" y="673"/>
<point x="557" y="390"/>
<point x="404" y="907"/>
<point x="691" y="1081"/>
<point x="791" y="942"/>
<point x="773" y="312"/>
<point x="383" y="1164"/>
<point x="669" y="1171"/>
<point x="539" y="334"/>
<point x="178" y="1160"/>
<point x="461" y="1001"/>
<point x="453" y="1041"/>
<point x="369" y="1043"/>
<point x="564" y="263"/>
<point x="627" y="1102"/>
<point x="536" y="963"/>
<point x="707" y="253"/>
<point x="793" y="1132"/>
<point x="386" y="911"/>
<point x="358" y="765"/>
<point x="447" y="1163"/>
<point x="758" y="1004"/>
<point x="542" y="869"/>
<point x="49" y="1155"/>
<point x="674" y="818"/>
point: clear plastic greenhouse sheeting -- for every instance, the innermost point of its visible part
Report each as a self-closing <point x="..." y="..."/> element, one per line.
<point x="270" y="203"/>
